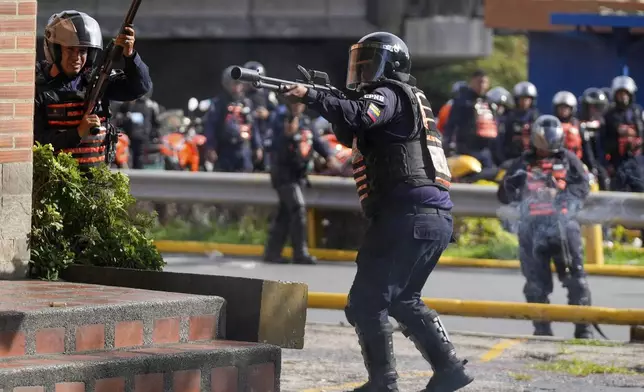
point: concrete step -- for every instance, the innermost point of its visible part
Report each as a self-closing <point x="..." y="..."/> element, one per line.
<point x="38" y="317"/>
<point x="216" y="366"/>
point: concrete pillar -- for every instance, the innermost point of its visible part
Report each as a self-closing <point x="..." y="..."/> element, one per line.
<point x="386" y="15"/>
<point x="17" y="62"/>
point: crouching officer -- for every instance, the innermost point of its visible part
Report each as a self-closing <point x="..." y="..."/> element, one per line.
<point x="72" y="44"/>
<point x="403" y="184"/>
<point x="551" y="184"/>
<point x="292" y="151"/>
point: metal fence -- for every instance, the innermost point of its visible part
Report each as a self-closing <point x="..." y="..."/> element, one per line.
<point x="338" y="193"/>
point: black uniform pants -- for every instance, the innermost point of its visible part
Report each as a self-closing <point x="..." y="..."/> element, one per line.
<point x="399" y="252"/>
<point x="289" y="220"/>
<point x="136" y="148"/>
<point x="558" y="238"/>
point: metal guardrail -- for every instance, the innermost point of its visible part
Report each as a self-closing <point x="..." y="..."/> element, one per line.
<point x="339" y="193"/>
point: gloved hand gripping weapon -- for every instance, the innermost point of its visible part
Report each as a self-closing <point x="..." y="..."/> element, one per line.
<point x="99" y="79"/>
<point x="316" y="80"/>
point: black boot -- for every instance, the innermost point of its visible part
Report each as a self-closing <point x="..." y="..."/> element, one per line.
<point x="432" y="340"/>
<point x="378" y="356"/>
<point x="579" y="294"/>
<point x="305" y="259"/>
<point x="583" y="331"/>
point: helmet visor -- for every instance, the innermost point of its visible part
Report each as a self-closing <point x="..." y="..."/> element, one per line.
<point x="366" y="63"/>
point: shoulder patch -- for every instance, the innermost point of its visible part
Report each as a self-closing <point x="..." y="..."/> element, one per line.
<point x="375" y="97"/>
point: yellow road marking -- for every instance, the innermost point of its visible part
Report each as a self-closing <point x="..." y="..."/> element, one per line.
<point x="488" y="356"/>
<point x="498" y="349"/>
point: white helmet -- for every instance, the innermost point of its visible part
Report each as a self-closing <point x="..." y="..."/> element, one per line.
<point x="74" y="29"/>
<point x="565" y="98"/>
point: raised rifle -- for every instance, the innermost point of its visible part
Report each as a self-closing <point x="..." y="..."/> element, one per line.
<point x="316" y="80"/>
<point x="99" y="79"/>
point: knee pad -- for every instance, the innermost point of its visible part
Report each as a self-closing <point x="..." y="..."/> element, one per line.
<point x="535" y="292"/>
<point x="578" y="290"/>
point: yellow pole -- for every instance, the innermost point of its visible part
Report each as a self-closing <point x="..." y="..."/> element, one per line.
<point x="594" y="250"/>
<point x="505" y="310"/>
<point x="311" y="223"/>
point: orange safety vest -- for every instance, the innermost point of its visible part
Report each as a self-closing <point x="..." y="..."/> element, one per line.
<point x="443" y="116"/>
<point x="628" y="140"/>
<point x="486" y="126"/>
<point x="572" y="139"/>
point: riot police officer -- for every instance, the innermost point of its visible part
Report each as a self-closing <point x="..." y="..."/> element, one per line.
<point x="293" y="145"/>
<point x="403" y="181"/>
<point x="594" y="103"/>
<point x="232" y="136"/>
<point x="72" y="44"/>
<point x="564" y="105"/>
<point x="443" y="113"/>
<point x="471" y="127"/>
<point x="139" y="120"/>
<point x="550" y="184"/>
<point x="622" y="137"/>
<point x="518" y="121"/>
<point x="264" y="103"/>
<point x="502" y="102"/>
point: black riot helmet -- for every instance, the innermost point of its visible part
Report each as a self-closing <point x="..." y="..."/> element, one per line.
<point x="547" y="134"/>
<point x="256" y="66"/>
<point x="378" y="56"/>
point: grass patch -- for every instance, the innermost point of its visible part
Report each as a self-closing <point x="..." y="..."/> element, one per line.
<point x="592" y="343"/>
<point x="624" y="255"/>
<point x="178" y="230"/>
<point x="580" y="368"/>
<point x="520" y="376"/>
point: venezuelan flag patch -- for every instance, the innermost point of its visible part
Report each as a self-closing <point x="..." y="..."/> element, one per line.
<point x="373" y="112"/>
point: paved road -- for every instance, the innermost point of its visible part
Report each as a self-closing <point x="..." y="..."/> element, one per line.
<point x="458" y="283"/>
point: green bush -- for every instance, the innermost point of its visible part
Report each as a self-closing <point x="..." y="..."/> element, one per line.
<point x="85" y="219"/>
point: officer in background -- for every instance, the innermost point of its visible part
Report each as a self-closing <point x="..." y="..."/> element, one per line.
<point x="591" y="116"/>
<point x="622" y="137"/>
<point x="72" y="44"/>
<point x="264" y="103"/>
<point x="403" y="184"/>
<point x="292" y="152"/>
<point x="551" y="184"/>
<point x="139" y="121"/>
<point x="502" y="102"/>
<point x="518" y="121"/>
<point x="564" y="105"/>
<point x="443" y="113"/>
<point x="471" y="127"/>
<point x="231" y="133"/>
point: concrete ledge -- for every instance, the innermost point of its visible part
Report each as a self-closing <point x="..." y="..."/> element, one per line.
<point x="207" y="366"/>
<point x="257" y="310"/>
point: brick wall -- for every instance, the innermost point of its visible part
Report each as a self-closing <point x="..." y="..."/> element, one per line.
<point x="17" y="61"/>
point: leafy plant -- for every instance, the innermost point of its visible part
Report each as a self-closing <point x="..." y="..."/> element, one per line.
<point x="86" y="219"/>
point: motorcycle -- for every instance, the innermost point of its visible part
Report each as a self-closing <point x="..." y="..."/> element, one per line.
<point x="180" y="147"/>
<point x="468" y="170"/>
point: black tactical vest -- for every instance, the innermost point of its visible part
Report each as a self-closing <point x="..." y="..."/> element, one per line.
<point x="64" y="111"/>
<point x="380" y="165"/>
